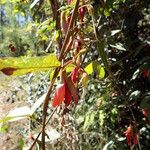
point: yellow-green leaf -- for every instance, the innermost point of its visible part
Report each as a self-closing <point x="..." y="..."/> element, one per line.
<point x="95" y="67"/>
<point x="23" y="65"/>
<point x="89" y="69"/>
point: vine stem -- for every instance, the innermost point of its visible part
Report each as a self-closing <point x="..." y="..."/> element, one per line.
<point x="46" y="101"/>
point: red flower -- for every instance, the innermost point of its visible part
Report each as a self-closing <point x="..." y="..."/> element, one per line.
<point x="82" y="12"/>
<point x="59" y="95"/>
<point x="135" y="140"/>
<point x="78" y="45"/>
<point x="74" y="75"/>
<point x="13" y="49"/>
<point x="145" y="112"/>
<point x="132" y="137"/>
<point x="69" y="2"/>
<point x="145" y="73"/>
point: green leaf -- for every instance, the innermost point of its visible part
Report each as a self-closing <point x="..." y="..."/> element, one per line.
<point x="95" y="67"/>
<point x="69" y="68"/>
<point x="23" y="65"/>
<point x="89" y="69"/>
<point x="101" y="117"/>
<point x="23" y="112"/>
<point x="145" y="103"/>
<point x="103" y="55"/>
<point x="108" y="145"/>
<point x="89" y="119"/>
<point x="113" y="32"/>
<point x="19" y="113"/>
<point x="34" y="3"/>
<point x="118" y="46"/>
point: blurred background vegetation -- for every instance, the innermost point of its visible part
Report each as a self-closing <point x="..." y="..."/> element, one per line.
<point x="110" y="106"/>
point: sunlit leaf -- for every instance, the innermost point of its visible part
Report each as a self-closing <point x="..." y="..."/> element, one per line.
<point x="23" y="65"/>
<point x="17" y="114"/>
<point x="118" y="46"/>
<point x="89" y="69"/>
<point x="113" y="32"/>
<point x="37" y="104"/>
<point x="70" y="67"/>
<point x="95" y="67"/>
<point x="34" y="3"/>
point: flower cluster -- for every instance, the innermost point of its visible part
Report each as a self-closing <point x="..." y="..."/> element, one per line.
<point x="131" y="135"/>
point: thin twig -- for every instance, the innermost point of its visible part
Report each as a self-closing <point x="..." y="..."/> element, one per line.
<point x="35" y="140"/>
<point x="45" y="106"/>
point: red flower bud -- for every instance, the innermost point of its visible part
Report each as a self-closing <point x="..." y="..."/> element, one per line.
<point x="68" y="95"/>
<point x="68" y="19"/>
<point x="82" y="12"/>
<point x="69" y="2"/>
<point x="74" y="75"/>
<point x="13" y="49"/>
<point x="59" y="95"/>
<point x="145" y="73"/>
<point x="145" y="112"/>
<point x="78" y="45"/>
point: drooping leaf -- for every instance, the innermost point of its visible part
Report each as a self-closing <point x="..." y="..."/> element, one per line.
<point x="113" y="32"/>
<point x="37" y="104"/>
<point x="118" y="46"/>
<point x="23" y="65"/>
<point x="145" y="103"/>
<point x="17" y="114"/>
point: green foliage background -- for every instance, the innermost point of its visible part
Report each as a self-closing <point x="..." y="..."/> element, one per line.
<point x="111" y="104"/>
